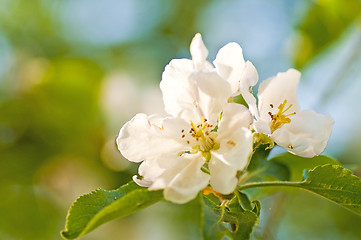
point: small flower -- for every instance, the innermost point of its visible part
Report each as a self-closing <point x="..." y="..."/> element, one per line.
<point x="204" y="140"/>
<point x="303" y="133"/>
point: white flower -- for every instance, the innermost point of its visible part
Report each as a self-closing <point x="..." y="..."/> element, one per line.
<point x="304" y="133"/>
<point x="202" y="133"/>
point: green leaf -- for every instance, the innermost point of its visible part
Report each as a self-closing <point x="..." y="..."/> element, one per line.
<point x="259" y="157"/>
<point x="213" y="229"/>
<point x="336" y="184"/>
<point x="297" y="164"/>
<point x="240" y="100"/>
<point x="229" y="218"/>
<point x="91" y="210"/>
<point x="332" y="182"/>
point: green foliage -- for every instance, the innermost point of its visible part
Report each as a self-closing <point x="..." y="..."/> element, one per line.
<point x="91" y="210"/>
<point x="284" y="167"/>
<point x="234" y="218"/>
<point x="297" y="165"/>
<point x="259" y="157"/>
<point x="332" y="182"/>
<point x="233" y="215"/>
<point x="270" y="171"/>
<point x="336" y="184"/>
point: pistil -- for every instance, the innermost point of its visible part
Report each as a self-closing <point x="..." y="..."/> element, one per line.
<point x="205" y="138"/>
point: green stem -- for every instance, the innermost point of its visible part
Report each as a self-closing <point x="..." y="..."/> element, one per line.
<point x="269" y="184"/>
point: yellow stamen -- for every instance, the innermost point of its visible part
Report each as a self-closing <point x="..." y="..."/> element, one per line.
<point x="205" y="138"/>
<point x="280" y="118"/>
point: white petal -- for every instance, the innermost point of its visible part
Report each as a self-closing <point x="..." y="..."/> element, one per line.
<point x="262" y="126"/>
<point x="248" y="80"/>
<point x="277" y="89"/>
<point x="223" y="176"/>
<point x="242" y="75"/>
<point x="236" y="148"/>
<point x="189" y="94"/>
<point x="141" y="139"/>
<point x="250" y="75"/>
<point x="213" y="94"/>
<point x="234" y="116"/>
<point x="192" y="95"/>
<point x="184" y="180"/>
<point x="142" y="182"/>
<point x="149" y="171"/>
<point x="306" y="135"/>
<point x="198" y="51"/>
<point x="230" y="65"/>
<point x="177" y="89"/>
<point x="232" y="156"/>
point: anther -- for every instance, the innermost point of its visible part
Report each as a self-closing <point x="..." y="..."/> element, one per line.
<point x="271" y="105"/>
<point x="183" y="136"/>
<point x="182" y="130"/>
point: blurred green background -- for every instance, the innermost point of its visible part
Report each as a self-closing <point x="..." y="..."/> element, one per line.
<point x="73" y="72"/>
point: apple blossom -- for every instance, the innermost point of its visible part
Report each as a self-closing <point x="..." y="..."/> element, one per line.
<point x="304" y="133"/>
<point x="204" y="140"/>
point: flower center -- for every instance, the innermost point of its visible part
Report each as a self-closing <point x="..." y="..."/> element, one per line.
<point x="204" y="135"/>
<point x="280" y="118"/>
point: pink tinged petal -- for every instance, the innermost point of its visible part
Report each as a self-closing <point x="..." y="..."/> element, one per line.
<point x="307" y="134"/>
<point x="184" y="180"/>
<point x="231" y="157"/>
<point x="143" y="137"/>
<point x="274" y="91"/>
<point x="234" y="116"/>
<point x="213" y="93"/>
<point x="198" y="51"/>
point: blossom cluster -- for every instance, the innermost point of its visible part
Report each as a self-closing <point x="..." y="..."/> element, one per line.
<point x="207" y="138"/>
